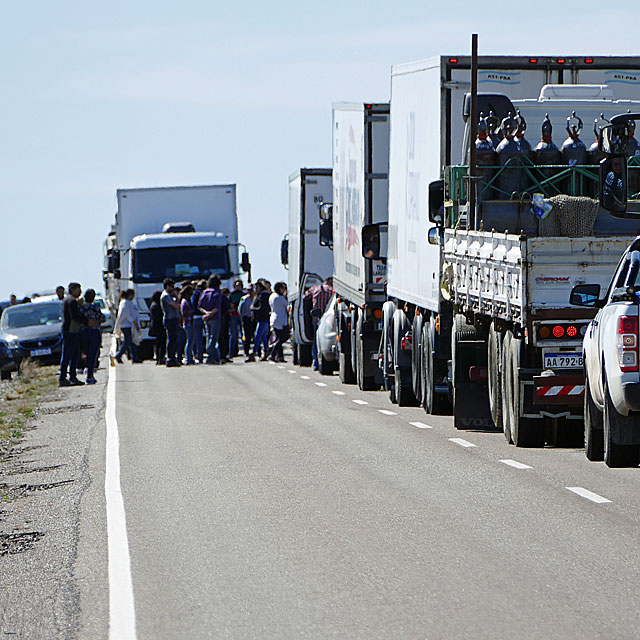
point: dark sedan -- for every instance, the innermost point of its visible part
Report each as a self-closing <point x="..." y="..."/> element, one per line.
<point x="30" y="331"/>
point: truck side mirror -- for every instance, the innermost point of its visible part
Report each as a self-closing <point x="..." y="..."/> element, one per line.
<point x="374" y="241"/>
<point x="436" y="201"/>
<point x="284" y="252"/>
<point x="244" y="263"/>
<point x="613" y="185"/>
<point x="614" y="139"/>
<point x="585" y="295"/>
<point x="326" y="233"/>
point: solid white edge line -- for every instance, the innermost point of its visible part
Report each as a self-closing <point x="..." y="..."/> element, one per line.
<point x="339" y="393"/>
<point x="462" y="442"/>
<point x="515" y="464"/>
<point x="122" y="617"/>
<point x="386" y="412"/>
<point x="421" y="425"/>
<point x="589" y="495"/>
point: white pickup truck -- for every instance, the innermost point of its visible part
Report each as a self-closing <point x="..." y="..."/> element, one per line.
<point x="611" y="364"/>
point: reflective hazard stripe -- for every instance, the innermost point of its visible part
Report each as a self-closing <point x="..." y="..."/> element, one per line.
<point x="568" y="390"/>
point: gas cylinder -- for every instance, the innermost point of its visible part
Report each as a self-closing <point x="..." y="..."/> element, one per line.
<point x="546" y="152"/>
<point x="485" y="160"/>
<point x="525" y="147"/>
<point x="574" y="152"/>
<point x="594" y="155"/>
<point x="511" y="178"/>
<point x="493" y="129"/>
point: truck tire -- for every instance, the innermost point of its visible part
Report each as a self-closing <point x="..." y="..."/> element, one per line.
<point x="525" y="432"/>
<point x="616" y="455"/>
<point x="365" y="383"/>
<point x="402" y="362"/>
<point x="305" y="356"/>
<point x="294" y="349"/>
<point x="388" y="309"/>
<point x="432" y="402"/>
<point x="505" y="379"/>
<point x="494" y="375"/>
<point x="593" y="427"/>
<point x="145" y="350"/>
<point x="324" y="368"/>
<point x="416" y="356"/>
<point x="355" y="316"/>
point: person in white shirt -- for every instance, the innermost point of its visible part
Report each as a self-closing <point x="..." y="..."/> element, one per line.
<point x="127" y="322"/>
<point x="279" y="320"/>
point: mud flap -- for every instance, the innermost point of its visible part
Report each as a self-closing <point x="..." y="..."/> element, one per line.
<point x="471" y="399"/>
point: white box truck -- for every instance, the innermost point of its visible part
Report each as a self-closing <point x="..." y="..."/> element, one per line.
<point x="478" y="301"/>
<point x="360" y="192"/>
<point x="184" y="233"/>
<point x="306" y="251"/>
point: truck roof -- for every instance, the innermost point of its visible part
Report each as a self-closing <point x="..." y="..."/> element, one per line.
<point x="309" y="172"/>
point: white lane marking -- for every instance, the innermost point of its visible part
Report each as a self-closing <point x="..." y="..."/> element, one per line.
<point x="305" y="378"/>
<point x="122" y="616"/>
<point x="291" y="370"/>
<point x="462" y="443"/>
<point x="421" y="425"/>
<point x="338" y="393"/>
<point x="359" y="402"/>
<point x="589" y="495"/>
<point x="281" y="366"/>
<point x="320" y="384"/>
<point x="386" y="412"/>
<point x="515" y="464"/>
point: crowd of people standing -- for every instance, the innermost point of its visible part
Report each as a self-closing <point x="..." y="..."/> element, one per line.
<point x="203" y="322"/>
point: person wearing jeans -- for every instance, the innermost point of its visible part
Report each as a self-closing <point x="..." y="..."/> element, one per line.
<point x="72" y="323"/>
<point x="128" y="318"/>
<point x="261" y="314"/>
<point x="210" y="305"/>
<point x="187" y="320"/>
<point x="91" y="334"/>
<point x="235" y="324"/>
<point x="171" y="313"/>
<point x="198" y="322"/>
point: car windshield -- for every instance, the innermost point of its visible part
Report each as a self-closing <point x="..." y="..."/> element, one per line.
<point x="31" y="315"/>
<point x="179" y="263"/>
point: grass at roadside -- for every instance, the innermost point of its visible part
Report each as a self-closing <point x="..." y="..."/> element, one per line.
<point x="19" y="398"/>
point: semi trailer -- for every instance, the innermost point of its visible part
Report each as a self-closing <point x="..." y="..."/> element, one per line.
<point x="360" y="193"/>
<point x="481" y="262"/>
<point x="306" y="251"/>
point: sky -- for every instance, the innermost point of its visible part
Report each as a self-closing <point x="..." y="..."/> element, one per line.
<point x="140" y="94"/>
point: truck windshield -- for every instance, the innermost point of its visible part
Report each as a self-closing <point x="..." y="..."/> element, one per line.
<point x="154" y="265"/>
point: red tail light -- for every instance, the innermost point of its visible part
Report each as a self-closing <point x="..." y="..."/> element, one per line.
<point x="558" y="331"/>
<point x="453" y="60"/>
<point x="561" y="60"/>
<point x="533" y="60"/>
<point x="628" y="343"/>
<point x="588" y="60"/>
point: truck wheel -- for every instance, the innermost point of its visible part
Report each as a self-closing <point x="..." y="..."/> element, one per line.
<point x="324" y="368"/>
<point x="593" y="427"/>
<point x="432" y="402"/>
<point x="416" y="356"/>
<point x="365" y="383"/>
<point x="525" y="432"/>
<point x="616" y="455"/>
<point x="294" y="348"/>
<point x="402" y="362"/>
<point x="505" y="361"/>
<point x="388" y="309"/>
<point x="305" y="357"/>
<point x="494" y="380"/>
<point x="355" y="316"/>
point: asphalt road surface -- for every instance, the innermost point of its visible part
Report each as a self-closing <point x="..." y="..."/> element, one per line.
<point x="266" y="501"/>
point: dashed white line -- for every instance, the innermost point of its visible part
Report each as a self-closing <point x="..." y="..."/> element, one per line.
<point x="338" y="393"/>
<point x="281" y="366"/>
<point x="291" y="370"/>
<point x="386" y="412"/>
<point x="421" y="425"/>
<point x="320" y="384"/>
<point x="305" y="378"/>
<point x="589" y="495"/>
<point x="360" y="401"/>
<point x="515" y="464"/>
<point x="462" y="443"/>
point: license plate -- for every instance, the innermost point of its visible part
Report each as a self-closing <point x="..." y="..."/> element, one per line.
<point x="563" y="360"/>
<point x="46" y="351"/>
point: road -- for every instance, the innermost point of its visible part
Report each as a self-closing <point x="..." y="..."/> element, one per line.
<point x="266" y="501"/>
